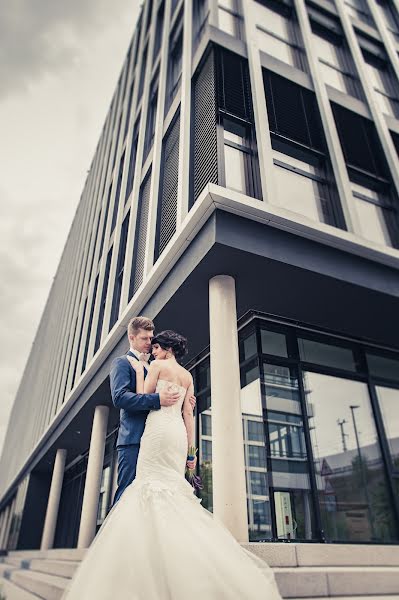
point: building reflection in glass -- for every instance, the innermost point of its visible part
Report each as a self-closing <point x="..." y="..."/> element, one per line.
<point x="351" y="481"/>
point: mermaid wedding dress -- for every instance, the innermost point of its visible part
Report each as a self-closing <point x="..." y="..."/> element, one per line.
<point x="158" y="542"/>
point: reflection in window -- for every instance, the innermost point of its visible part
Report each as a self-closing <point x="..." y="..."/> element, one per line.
<point x="278" y="36"/>
<point x="256" y="456"/>
<point x="258" y="483"/>
<point x="286" y="435"/>
<point x="389" y="404"/>
<point x="350" y="476"/>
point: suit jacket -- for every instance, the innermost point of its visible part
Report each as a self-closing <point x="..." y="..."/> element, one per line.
<point x="134" y="408"/>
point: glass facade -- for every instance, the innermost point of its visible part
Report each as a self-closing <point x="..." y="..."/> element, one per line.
<point x="321" y="456"/>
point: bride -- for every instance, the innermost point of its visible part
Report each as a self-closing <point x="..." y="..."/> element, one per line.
<point x="158" y="542"/>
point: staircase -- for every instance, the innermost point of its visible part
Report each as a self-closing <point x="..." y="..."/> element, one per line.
<point x="315" y="571"/>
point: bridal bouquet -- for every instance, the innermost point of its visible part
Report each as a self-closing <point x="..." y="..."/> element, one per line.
<point x="194" y="479"/>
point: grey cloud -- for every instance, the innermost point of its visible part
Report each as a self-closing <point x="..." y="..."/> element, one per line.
<point x="40" y="36"/>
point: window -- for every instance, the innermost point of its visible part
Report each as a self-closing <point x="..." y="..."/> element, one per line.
<point x="334" y="62"/>
<point x="158" y="30"/>
<point x="326" y="354"/>
<point x="200" y="18"/>
<point x="142" y="74"/>
<point x="383" y="84"/>
<point x="382" y="366"/>
<point x="206" y="447"/>
<point x="358" y="10"/>
<point x="390" y="18"/>
<point x="301" y="186"/>
<point x="175" y="63"/>
<point x="167" y="204"/>
<point x="239" y="174"/>
<point x="103" y="301"/>
<point x="132" y="162"/>
<point x="273" y="343"/>
<point x="229" y="18"/>
<point x="256" y="456"/>
<point x="255" y="431"/>
<point x="151" y="118"/>
<point x="278" y="35"/>
<point x="369" y="175"/>
<point x="350" y="475"/>
<point x="119" y="272"/>
<point x="117" y="194"/>
<point x="371" y="210"/>
<point x="258" y="483"/>
<point x="389" y="403"/>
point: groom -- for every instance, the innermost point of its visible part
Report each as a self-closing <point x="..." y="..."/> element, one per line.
<point x="134" y="408"/>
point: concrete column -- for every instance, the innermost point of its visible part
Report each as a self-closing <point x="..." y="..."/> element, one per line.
<point x="228" y="465"/>
<point x="91" y="495"/>
<point x="53" y="500"/>
<point x="3" y="526"/>
<point x="8" y="524"/>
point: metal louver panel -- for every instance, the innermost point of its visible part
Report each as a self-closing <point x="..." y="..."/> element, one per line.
<point x="167" y="210"/>
<point x="293" y="111"/>
<point x="137" y="275"/>
<point x="233" y="85"/>
<point x="359" y="141"/>
<point x="205" y="140"/>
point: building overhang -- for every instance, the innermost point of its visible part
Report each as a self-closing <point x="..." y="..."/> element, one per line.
<point x="284" y="265"/>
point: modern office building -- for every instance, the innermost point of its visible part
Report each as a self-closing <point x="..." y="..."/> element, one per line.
<point x="244" y="192"/>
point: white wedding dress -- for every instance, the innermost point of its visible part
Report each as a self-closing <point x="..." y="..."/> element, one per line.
<point x="158" y="542"/>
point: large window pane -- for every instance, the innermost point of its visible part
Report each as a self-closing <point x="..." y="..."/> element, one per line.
<point x="273" y="343"/>
<point x="326" y="354"/>
<point x="235" y="169"/>
<point x="381" y="366"/>
<point x="389" y="405"/>
<point x="296" y="189"/>
<point x="287" y="451"/>
<point x="351" y="481"/>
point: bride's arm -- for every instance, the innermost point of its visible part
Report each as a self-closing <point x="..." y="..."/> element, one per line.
<point x="188" y="416"/>
<point x="150" y="382"/>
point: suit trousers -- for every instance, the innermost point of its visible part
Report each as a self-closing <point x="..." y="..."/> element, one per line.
<point x="127" y="462"/>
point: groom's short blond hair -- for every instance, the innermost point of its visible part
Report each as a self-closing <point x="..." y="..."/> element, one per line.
<point x="138" y="323"/>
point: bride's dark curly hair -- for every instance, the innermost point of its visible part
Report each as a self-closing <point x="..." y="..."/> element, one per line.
<point x="170" y="339"/>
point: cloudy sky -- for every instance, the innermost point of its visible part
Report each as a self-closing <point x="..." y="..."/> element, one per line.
<point x="59" y="64"/>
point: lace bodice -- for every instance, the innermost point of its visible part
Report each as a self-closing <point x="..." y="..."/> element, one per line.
<point x="174" y="387"/>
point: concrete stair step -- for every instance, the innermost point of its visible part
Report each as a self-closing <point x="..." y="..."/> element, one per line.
<point x="61" y="568"/>
<point x="47" y="587"/>
<point x="321" y="582"/>
<point x="20" y="563"/>
<point x="75" y="554"/>
<point x="6" y="569"/>
<point x="11" y="591"/>
<point x="308" y="555"/>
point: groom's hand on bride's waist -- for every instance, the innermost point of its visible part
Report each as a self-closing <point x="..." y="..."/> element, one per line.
<point x="168" y="398"/>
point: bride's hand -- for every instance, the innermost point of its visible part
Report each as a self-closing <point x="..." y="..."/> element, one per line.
<point x="137" y="365"/>
<point x="191" y="464"/>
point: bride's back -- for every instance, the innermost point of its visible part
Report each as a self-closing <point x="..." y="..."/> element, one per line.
<point x="170" y="370"/>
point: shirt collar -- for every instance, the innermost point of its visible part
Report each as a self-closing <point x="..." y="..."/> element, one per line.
<point x="133" y="351"/>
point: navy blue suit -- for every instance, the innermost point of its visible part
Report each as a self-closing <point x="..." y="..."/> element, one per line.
<point x="134" y="409"/>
